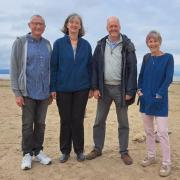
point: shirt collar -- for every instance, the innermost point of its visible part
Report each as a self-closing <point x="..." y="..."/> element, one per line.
<point x="114" y="44"/>
<point x="30" y="38"/>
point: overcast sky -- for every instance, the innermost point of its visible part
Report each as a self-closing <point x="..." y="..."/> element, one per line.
<point x="137" y="18"/>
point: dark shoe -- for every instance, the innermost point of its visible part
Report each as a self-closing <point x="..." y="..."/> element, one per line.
<point x="127" y="159"/>
<point x="64" y="158"/>
<point x="93" y="154"/>
<point x="80" y="157"/>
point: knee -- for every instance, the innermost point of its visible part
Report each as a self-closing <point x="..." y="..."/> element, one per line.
<point x="162" y="132"/>
<point x="149" y="131"/>
<point x="26" y="126"/>
<point x="40" y="125"/>
<point x="99" y="124"/>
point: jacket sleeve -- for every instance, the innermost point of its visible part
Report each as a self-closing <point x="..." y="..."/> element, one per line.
<point x="168" y="77"/>
<point x="95" y="69"/>
<point x="54" y="63"/>
<point x="131" y="72"/>
<point x="90" y="64"/>
<point x="14" y="66"/>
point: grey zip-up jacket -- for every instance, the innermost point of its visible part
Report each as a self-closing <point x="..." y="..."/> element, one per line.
<point x="18" y="65"/>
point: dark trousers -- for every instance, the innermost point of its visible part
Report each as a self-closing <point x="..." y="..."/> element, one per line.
<point x="71" y="108"/>
<point x="33" y="125"/>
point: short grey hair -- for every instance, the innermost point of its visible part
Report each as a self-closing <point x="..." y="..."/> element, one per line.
<point x="155" y="35"/>
<point x="71" y="16"/>
<point x="113" y="17"/>
<point x="36" y="15"/>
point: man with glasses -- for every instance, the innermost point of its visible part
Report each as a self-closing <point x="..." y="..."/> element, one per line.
<point x="30" y="59"/>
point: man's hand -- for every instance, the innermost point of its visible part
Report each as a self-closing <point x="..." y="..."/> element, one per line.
<point x="128" y="97"/>
<point x="20" y="101"/>
<point x="97" y="94"/>
<point x="50" y="100"/>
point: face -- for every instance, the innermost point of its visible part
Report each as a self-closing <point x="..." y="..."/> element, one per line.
<point x="74" y="25"/>
<point x="113" y="28"/>
<point x="37" y="26"/>
<point x="154" y="45"/>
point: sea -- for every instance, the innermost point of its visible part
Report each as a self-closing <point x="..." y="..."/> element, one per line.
<point x="4" y="74"/>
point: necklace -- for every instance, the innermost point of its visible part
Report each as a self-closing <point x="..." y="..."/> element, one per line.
<point x="153" y="59"/>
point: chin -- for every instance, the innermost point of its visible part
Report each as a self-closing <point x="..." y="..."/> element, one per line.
<point x="114" y="35"/>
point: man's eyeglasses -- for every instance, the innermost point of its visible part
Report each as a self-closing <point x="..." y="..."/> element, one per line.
<point x="37" y="23"/>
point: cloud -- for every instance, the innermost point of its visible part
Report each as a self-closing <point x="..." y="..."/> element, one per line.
<point x="137" y="18"/>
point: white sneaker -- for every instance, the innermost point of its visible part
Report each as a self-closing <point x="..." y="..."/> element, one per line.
<point x="26" y="162"/>
<point x="148" y="161"/>
<point x="43" y="158"/>
<point x="165" y="170"/>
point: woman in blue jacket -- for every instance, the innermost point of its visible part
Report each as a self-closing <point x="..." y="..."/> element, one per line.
<point x="70" y="85"/>
<point x="154" y="79"/>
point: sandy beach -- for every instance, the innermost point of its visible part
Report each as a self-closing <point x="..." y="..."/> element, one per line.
<point x="107" y="167"/>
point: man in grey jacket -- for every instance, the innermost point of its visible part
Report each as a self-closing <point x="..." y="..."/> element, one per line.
<point x="30" y="59"/>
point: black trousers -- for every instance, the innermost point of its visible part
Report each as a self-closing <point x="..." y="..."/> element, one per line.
<point x="71" y="108"/>
<point x="33" y="125"/>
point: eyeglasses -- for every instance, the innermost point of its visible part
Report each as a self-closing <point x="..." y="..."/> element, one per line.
<point x="37" y="23"/>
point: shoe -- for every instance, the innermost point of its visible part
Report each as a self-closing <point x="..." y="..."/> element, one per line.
<point x="80" y="157"/>
<point x="127" y="159"/>
<point x="148" y="161"/>
<point x="64" y="158"/>
<point x="165" y="170"/>
<point x="26" y="162"/>
<point x="93" y="154"/>
<point x="43" y="158"/>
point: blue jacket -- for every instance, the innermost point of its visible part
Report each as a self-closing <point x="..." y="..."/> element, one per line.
<point x="155" y="76"/>
<point x="69" y="74"/>
<point x="128" y="72"/>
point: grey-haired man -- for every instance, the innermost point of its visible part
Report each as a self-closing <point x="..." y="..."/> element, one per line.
<point x="114" y="79"/>
<point x="30" y="59"/>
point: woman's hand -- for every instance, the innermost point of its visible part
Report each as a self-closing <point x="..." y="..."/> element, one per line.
<point x="139" y="93"/>
<point x="50" y="100"/>
<point x="90" y="94"/>
<point x="53" y="94"/>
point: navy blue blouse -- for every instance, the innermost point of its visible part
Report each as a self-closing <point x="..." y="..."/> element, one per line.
<point x="155" y="76"/>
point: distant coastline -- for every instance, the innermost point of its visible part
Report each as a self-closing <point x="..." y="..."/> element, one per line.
<point x="4" y="75"/>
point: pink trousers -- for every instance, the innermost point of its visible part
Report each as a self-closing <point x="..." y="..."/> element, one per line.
<point x="162" y="132"/>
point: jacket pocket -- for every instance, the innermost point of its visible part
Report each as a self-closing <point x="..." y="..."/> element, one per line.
<point x="157" y="103"/>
